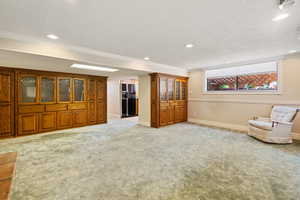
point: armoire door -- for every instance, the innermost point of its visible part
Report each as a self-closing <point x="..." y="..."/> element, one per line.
<point x="164" y="115"/>
<point x="92" y="112"/>
<point x="6" y="103"/>
<point x="91" y="90"/>
<point x="28" y="124"/>
<point x="171" y="114"/>
<point x="100" y="112"/>
<point x="179" y="114"/>
<point x="80" y="118"/>
<point x="64" y="119"/>
<point x="101" y="102"/>
<point x="47" y="121"/>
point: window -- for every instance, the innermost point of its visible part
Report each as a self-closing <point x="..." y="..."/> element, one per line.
<point x="256" y="77"/>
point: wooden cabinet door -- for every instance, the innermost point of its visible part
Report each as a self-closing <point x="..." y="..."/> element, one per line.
<point x="171" y="87"/>
<point x="92" y="90"/>
<point x="47" y="121"/>
<point x="6" y="103"/>
<point x="28" y="89"/>
<point x="179" y="113"/>
<point x="48" y="89"/>
<point x="64" y="119"/>
<point x="164" y="116"/>
<point x="27" y="124"/>
<point x="163" y="89"/>
<point x="171" y="114"/>
<point x="177" y="89"/>
<point x="64" y="90"/>
<point x="6" y="120"/>
<point x="92" y="112"/>
<point x="184" y="90"/>
<point x="101" y="90"/>
<point x="80" y="118"/>
<point x="79" y="89"/>
<point x="101" y="112"/>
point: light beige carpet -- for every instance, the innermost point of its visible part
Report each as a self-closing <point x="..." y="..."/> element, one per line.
<point x="124" y="161"/>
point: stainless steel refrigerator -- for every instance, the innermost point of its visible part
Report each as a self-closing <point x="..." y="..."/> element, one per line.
<point x="129" y="100"/>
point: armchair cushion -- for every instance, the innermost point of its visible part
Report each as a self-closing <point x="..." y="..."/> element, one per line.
<point x="266" y="125"/>
<point x="283" y="113"/>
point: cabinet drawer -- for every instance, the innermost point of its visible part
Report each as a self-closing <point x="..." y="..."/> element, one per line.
<point x="162" y="104"/>
<point x="56" y="107"/>
<point x="180" y="103"/>
<point x="31" y="109"/>
<point x="78" y="106"/>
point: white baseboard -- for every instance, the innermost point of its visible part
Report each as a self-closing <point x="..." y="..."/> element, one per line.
<point x="232" y="127"/>
<point x="296" y="136"/>
<point x="148" y="124"/>
<point x="113" y="115"/>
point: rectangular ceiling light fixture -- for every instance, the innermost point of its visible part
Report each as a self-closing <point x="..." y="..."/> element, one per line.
<point x="97" y="68"/>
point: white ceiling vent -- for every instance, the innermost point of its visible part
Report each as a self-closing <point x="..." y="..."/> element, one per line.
<point x="284" y="4"/>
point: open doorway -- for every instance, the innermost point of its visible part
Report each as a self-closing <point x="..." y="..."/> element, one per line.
<point x="123" y="98"/>
<point x="129" y="98"/>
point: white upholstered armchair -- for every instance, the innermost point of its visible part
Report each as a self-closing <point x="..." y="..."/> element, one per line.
<point x="277" y="129"/>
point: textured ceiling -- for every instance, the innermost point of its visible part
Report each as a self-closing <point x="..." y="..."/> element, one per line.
<point x="222" y="31"/>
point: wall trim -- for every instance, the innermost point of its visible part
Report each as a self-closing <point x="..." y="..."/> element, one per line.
<point x="215" y="124"/>
<point x="228" y="126"/>
<point x="238" y="63"/>
<point x="270" y="102"/>
<point x="148" y="124"/>
<point x="115" y="115"/>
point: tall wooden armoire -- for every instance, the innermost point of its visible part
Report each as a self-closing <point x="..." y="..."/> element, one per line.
<point x="169" y="96"/>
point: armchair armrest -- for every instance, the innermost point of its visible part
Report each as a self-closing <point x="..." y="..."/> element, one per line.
<point x="274" y="123"/>
<point x="262" y="119"/>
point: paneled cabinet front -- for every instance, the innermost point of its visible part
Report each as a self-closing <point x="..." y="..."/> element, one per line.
<point x="168" y="99"/>
<point x="64" y="119"/>
<point x="48" y="101"/>
<point x="28" y="124"/>
<point x="6" y="103"/>
<point x="80" y="118"/>
<point x="47" y="121"/>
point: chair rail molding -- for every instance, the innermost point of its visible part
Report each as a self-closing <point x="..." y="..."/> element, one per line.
<point x="268" y="102"/>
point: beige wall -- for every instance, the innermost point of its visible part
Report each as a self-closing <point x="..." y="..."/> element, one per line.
<point x="144" y="100"/>
<point x="113" y="98"/>
<point x="235" y="110"/>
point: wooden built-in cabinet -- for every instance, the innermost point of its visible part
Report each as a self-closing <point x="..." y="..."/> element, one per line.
<point x="38" y="101"/>
<point x="168" y="99"/>
<point x="6" y="103"/>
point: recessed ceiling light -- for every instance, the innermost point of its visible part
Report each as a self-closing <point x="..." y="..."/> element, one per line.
<point x="189" y="45"/>
<point x="90" y="67"/>
<point x="292" y="51"/>
<point x="53" y="37"/>
<point x="146" y="58"/>
<point x="280" y="17"/>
